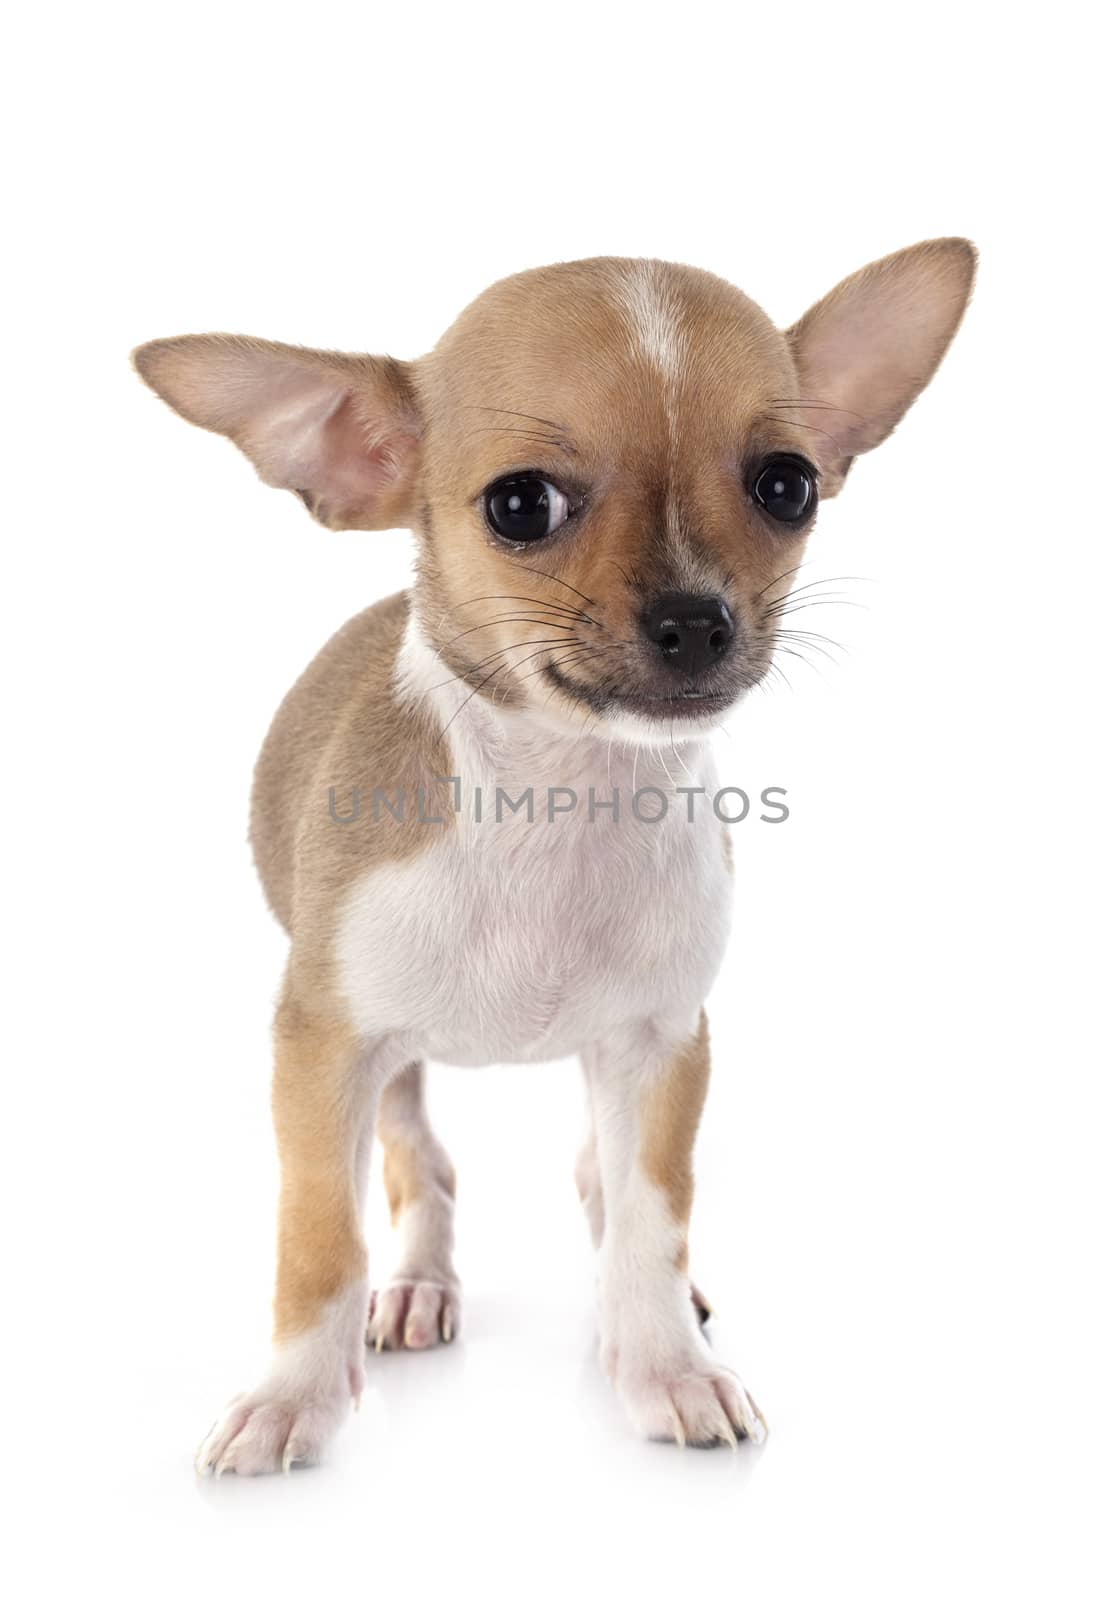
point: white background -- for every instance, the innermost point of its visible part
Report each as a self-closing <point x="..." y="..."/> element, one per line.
<point x="902" y="1199"/>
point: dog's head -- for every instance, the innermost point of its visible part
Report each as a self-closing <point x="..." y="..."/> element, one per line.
<point x="612" y="465"/>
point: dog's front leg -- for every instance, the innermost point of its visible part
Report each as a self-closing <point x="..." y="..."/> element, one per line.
<point x="325" y="1090"/>
<point x="647" y="1087"/>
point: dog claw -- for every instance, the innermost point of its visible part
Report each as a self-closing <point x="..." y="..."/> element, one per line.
<point x="679" y="1430"/>
<point x="755" y="1423"/>
<point x="413" y="1314"/>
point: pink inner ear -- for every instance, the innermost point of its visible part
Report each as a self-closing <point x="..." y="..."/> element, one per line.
<point x="868" y="349"/>
<point x="341" y="431"/>
<point x="310" y="432"/>
<point x="857" y="360"/>
<point x="869" y="360"/>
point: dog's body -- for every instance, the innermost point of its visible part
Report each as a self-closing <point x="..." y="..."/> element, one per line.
<point x="528" y="920"/>
<point x="612" y="462"/>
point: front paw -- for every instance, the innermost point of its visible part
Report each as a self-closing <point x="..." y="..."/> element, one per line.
<point x="276" y="1427"/>
<point x="691" y="1401"/>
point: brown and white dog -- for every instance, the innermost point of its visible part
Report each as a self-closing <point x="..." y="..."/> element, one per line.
<point x="611" y="467"/>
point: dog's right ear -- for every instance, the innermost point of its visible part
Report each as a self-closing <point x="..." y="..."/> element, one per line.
<point x="340" y="431"/>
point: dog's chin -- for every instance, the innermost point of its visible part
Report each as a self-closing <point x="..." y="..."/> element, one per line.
<point x="640" y="717"/>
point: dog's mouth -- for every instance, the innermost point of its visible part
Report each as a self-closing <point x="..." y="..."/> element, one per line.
<point x="689" y="704"/>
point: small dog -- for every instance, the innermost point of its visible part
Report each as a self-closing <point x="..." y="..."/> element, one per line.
<point x="611" y="467"/>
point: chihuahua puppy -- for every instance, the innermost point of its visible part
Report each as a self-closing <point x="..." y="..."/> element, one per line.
<point x="611" y="468"/>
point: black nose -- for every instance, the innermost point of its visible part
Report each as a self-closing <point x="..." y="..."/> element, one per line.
<point x="692" y="631"/>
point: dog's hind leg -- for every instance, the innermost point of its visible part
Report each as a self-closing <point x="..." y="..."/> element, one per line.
<point x="587" y="1178"/>
<point x="419" y="1305"/>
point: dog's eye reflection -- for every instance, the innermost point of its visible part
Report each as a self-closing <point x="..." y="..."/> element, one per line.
<point x="785" y="489"/>
<point x="525" y="507"/>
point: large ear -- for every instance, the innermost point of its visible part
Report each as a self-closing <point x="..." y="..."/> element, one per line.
<point x="865" y="352"/>
<point x="340" y="431"/>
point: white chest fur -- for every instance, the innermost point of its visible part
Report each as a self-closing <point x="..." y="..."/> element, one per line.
<point x="511" y="939"/>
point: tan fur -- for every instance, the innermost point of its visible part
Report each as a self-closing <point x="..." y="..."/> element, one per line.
<point x="669" y="1115"/>
<point x="415" y="1162"/>
<point x="316" y="1107"/>
<point x="341" y="727"/>
<point x="556" y="344"/>
<point x="403" y="1174"/>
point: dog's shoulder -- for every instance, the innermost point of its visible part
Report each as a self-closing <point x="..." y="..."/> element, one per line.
<point x="341" y="728"/>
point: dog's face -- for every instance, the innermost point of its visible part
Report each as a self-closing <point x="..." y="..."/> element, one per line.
<point x="613" y="482"/>
<point x="612" y="466"/>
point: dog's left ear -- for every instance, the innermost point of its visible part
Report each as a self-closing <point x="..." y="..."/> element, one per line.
<point x="342" y="432"/>
<point x="865" y="352"/>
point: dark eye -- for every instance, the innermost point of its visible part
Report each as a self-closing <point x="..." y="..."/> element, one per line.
<point x="785" y="489"/>
<point x="524" y="508"/>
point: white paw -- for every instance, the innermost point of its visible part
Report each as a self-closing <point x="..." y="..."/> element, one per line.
<point x="699" y="1404"/>
<point x="272" y="1430"/>
<point x="414" y="1313"/>
<point x="290" y="1417"/>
